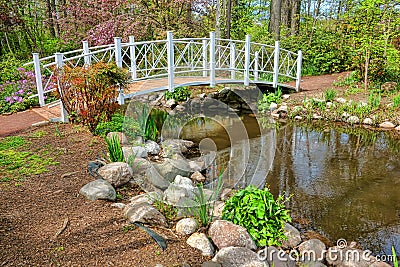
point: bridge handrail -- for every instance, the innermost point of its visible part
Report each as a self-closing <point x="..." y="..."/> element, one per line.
<point x="204" y="57"/>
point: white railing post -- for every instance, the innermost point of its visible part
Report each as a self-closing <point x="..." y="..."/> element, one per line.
<point x="212" y="59"/>
<point x="247" y="61"/>
<point x="86" y="52"/>
<point x="38" y="76"/>
<point x="276" y="65"/>
<point x="118" y="54"/>
<point x="232" y="64"/>
<point x="132" y="52"/>
<point x="256" y="57"/>
<point x="298" y="75"/>
<point x="204" y="58"/>
<point x="121" y="95"/>
<point x="60" y="63"/>
<point x="171" y="61"/>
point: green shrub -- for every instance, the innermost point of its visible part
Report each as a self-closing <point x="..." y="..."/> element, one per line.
<point x="179" y="94"/>
<point x="396" y="101"/>
<point x="374" y="100"/>
<point x="266" y="100"/>
<point x="330" y="95"/>
<point x="257" y="211"/>
<point x="114" y="125"/>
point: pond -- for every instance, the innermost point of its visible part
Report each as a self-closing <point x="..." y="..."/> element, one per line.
<point x="344" y="182"/>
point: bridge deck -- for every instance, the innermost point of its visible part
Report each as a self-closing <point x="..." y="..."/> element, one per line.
<point x="161" y="84"/>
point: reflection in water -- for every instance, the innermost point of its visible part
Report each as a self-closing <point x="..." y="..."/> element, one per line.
<point x="348" y="185"/>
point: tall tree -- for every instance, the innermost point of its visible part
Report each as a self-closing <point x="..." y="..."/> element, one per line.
<point x="275" y="18"/>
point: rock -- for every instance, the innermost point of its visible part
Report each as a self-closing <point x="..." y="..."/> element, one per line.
<point x="226" y="234"/>
<point x="201" y="242"/>
<point x="170" y="103"/>
<point x="135" y="151"/>
<point x="293" y="236"/>
<point x="353" y="120"/>
<point x="397" y="128"/>
<point x="273" y="106"/>
<point x="329" y="104"/>
<point x="387" y="125"/>
<point x="174" y="195"/>
<point x="276" y="258"/>
<point x="148" y="198"/>
<point x="196" y="166"/>
<point x="285" y="96"/>
<point x="316" y="117"/>
<point x="116" y="173"/>
<point x="298" y="118"/>
<point x="275" y="115"/>
<point x="186" y="226"/>
<point x="227" y="193"/>
<point x="311" y="264"/>
<point x="174" y="146"/>
<point x="368" y="121"/>
<point x="198" y="177"/>
<point x="121" y="136"/>
<point x="282" y="109"/>
<point x="218" y="208"/>
<point x="144" y="213"/>
<point x="316" y="247"/>
<point x="202" y="95"/>
<point x="184" y="182"/>
<point x="210" y="264"/>
<point x="388" y="86"/>
<point x="345" y="115"/>
<point x="170" y="168"/>
<point x="238" y="257"/>
<point x="179" y="108"/>
<point x="152" y="147"/>
<point x="120" y="206"/>
<point x="98" y="189"/>
<point x="341" y="100"/>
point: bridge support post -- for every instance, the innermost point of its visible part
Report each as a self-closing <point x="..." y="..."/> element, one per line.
<point x="212" y="59"/>
<point x="118" y="55"/>
<point x="256" y="58"/>
<point x="204" y="58"/>
<point x="298" y="75"/>
<point x="171" y="62"/>
<point x="38" y="76"/>
<point x="232" y="64"/>
<point x="276" y="65"/>
<point x="247" y="61"/>
<point x="86" y="52"/>
<point x="60" y="64"/>
<point x="132" y="52"/>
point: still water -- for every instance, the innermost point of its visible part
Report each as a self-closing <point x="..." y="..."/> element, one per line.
<point x="344" y="182"/>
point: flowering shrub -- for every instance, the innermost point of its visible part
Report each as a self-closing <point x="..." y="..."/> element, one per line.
<point x="89" y="93"/>
<point x="14" y="95"/>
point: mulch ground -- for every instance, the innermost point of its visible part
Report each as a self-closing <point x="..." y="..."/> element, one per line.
<point x="32" y="212"/>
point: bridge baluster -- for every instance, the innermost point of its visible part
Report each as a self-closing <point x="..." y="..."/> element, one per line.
<point x="298" y="74"/>
<point x="212" y="59"/>
<point x="86" y="51"/>
<point x="132" y="52"/>
<point x="171" y="62"/>
<point x="118" y="55"/>
<point x="59" y="58"/>
<point x="204" y="58"/>
<point x="256" y="58"/>
<point x="247" y="61"/>
<point x="232" y="59"/>
<point x="276" y="65"/>
<point x="38" y="76"/>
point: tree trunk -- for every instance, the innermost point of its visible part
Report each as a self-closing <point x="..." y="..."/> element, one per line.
<point x="294" y="22"/>
<point x="275" y="20"/>
<point x="285" y="13"/>
<point x="228" y="19"/>
<point x="218" y="20"/>
<point x="316" y="14"/>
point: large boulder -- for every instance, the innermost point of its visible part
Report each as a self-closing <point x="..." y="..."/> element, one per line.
<point x="293" y="236"/>
<point x="116" y="173"/>
<point x="226" y="234"/>
<point x="144" y="213"/>
<point x="276" y="258"/>
<point x="238" y="257"/>
<point x="170" y="168"/>
<point x="134" y="151"/>
<point x="152" y="147"/>
<point x="201" y="242"/>
<point x="98" y="189"/>
<point x="312" y="250"/>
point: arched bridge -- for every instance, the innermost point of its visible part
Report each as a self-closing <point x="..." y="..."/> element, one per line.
<point x="171" y="63"/>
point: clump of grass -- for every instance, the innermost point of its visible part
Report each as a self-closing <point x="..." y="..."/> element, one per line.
<point x="114" y="149"/>
<point x="374" y="100"/>
<point x="330" y="95"/>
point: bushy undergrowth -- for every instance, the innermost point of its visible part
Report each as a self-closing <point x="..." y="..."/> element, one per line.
<point x="179" y="94"/>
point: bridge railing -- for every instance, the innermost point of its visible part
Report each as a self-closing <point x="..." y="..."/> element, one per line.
<point x="211" y="58"/>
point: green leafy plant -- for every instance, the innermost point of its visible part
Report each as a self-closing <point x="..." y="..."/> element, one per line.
<point x="396" y="101"/>
<point x="89" y="93"/>
<point x="374" y="100"/>
<point x="330" y="95"/>
<point x="114" y="149"/>
<point x="147" y="125"/>
<point x="257" y="211"/>
<point x="266" y="100"/>
<point x="179" y="94"/>
<point x="170" y="212"/>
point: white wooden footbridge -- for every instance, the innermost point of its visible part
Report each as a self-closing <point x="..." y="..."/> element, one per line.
<point x="171" y="63"/>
